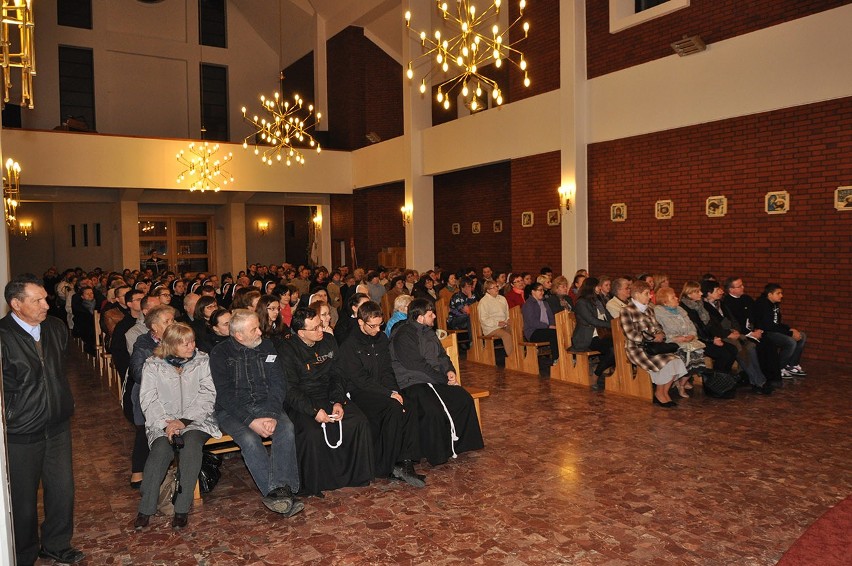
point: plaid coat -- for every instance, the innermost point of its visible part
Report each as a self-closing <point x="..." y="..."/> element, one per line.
<point x="638" y="327"/>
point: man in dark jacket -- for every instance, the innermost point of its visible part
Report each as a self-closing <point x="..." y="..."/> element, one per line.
<point x="365" y="361"/>
<point x="427" y="378"/>
<point x="250" y="390"/>
<point x="791" y="342"/>
<point x="38" y="405"/>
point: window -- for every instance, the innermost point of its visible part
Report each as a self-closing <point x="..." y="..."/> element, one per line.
<point x="212" y="23"/>
<point x="77" y="85"/>
<point x="74" y="13"/>
<point x="214" y="101"/>
<point x="184" y="242"/>
<point x="625" y="14"/>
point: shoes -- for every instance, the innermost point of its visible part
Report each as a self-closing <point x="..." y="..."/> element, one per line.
<point x="282" y="501"/>
<point x="667" y="404"/>
<point x="765" y="389"/>
<point x="600" y="384"/>
<point x="136" y="484"/>
<point x="67" y="556"/>
<point x="141" y="521"/>
<point x="787" y="374"/>
<point x="795" y="370"/>
<point x="179" y="521"/>
<point x="406" y="473"/>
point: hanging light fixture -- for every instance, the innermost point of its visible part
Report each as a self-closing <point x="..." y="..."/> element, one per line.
<point x="18" y="13"/>
<point x="283" y="130"/>
<point x="463" y="54"/>
<point x="11" y="193"/>
<point x="203" y="170"/>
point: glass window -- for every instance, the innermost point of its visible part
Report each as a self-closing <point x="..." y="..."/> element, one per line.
<point x="212" y="23"/>
<point x="74" y="13"/>
<point x="214" y="101"/>
<point x="76" y="88"/>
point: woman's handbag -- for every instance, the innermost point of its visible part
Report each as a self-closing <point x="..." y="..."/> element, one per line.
<point x="168" y="492"/>
<point x="656" y="348"/>
<point x="719" y="384"/>
<point x="209" y="474"/>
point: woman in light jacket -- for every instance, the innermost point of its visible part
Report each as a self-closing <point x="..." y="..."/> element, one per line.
<point x="680" y="330"/>
<point x="494" y="316"/>
<point x="177" y="397"/>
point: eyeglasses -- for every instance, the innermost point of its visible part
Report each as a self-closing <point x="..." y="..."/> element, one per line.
<point x="273" y="308"/>
<point x="317" y="329"/>
<point x="373" y="326"/>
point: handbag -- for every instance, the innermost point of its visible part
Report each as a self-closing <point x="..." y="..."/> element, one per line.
<point x="719" y="384"/>
<point x="168" y="492"/>
<point x="656" y="348"/>
<point x="210" y="473"/>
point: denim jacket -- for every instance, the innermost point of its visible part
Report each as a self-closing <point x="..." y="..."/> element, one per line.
<point x="249" y="382"/>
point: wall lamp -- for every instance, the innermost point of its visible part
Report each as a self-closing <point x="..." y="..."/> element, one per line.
<point x="263" y="227"/>
<point x="407" y="213"/>
<point x="566" y="197"/>
<point x="25" y="228"/>
<point x="318" y="218"/>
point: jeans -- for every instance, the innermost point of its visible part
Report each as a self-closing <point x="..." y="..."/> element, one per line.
<point x="161" y="455"/>
<point x="791" y="350"/>
<point x="273" y="469"/>
<point x="48" y="461"/>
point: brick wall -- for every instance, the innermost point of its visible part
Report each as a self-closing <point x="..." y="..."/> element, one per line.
<point x="479" y="195"/>
<point x="365" y="91"/>
<point x="534" y="183"/>
<point x="377" y="221"/>
<point x="713" y="20"/>
<point x="806" y="151"/>
<point x="342" y="219"/>
<point x="299" y="78"/>
<point x="541" y="48"/>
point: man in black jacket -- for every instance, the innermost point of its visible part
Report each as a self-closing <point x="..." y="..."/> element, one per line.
<point x="250" y="390"/>
<point x="365" y="361"/>
<point x="38" y="406"/>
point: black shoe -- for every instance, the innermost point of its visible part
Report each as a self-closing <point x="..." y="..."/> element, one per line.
<point x="763" y="390"/>
<point x="600" y="384"/>
<point x="282" y="501"/>
<point x="405" y="472"/>
<point x="667" y="404"/>
<point x="409" y="467"/>
<point x="180" y="521"/>
<point x="67" y="556"/>
<point x="141" y="521"/>
<point x="135" y="484"/>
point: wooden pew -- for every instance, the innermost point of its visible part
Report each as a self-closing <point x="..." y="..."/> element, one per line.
<point x="481" y="347"/>
<point x="572" y="367"/>
<point x="628" y="379"/>
<point x="526" y="354"/>
<point x="450" y="344"/>
<point x="387" y="307"/>
<point x="442" y="312"/>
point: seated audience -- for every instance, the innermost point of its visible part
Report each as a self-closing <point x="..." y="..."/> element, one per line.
<point x="709" y="332"/>
<point x="604" y="292"/>
<point x="494" y="316"/>
<point x="790" y="341"/>
<point x="347" y="322"/>
<point x="426" y="377"/>
<point x="620" y="296"/>
<point x="574" y="291"/>
<point x="593" y="330"/>
<point x="250" y="392"/>
<point x="204" y="307"/>
<point x="680" y="330"/>
<point x="515" y="293"/>
<point x="365" y="360"/>
<point x="334" y="445"/>
<point x="558" y="299"/>
<point x="425" y="289"/>
<point x="459" y="312"/>
<point x="217" y="331"/>
<point x="400" y="312"/>
<point x="450" y="286"/>
<point x="177" y="397"/>
<point x="324" y="311"/>
<point x="321" y="295"/>
<point x="539" y="321"/>
<point x="640" y="326"/>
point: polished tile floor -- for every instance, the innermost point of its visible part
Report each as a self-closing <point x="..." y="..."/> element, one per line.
<point x="567" y="477"/>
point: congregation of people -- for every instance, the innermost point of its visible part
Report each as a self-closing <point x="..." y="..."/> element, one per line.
<point x="321" y="387"/>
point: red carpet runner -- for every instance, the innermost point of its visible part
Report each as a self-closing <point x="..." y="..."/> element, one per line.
<point x="828" y="542"/>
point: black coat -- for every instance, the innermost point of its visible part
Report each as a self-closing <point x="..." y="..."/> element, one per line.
<point x="313" y="378"/>
<point x="36" y="393"/>
<point x="365" y="363"/>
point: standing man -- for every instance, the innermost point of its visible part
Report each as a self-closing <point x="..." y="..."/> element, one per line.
<point x="38" y="405"/>
<point x="155" y="263"/>
<point x="250" y="390"/>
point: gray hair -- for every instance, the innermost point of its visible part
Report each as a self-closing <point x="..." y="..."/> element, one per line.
<point x="239" y="319"/>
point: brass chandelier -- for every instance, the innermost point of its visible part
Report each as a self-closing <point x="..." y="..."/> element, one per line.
<point x="18" y="14"/>
<point x="203" y="171"/>
<point x="11" y="193"/>
<point x="463" y="54"/>
<point x="283" y="131"/>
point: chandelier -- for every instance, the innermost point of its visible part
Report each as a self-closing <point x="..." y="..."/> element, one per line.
<point x="283" y="131"/>
<point x="11" y="193"/>
<point x="18" y="13"/>
<point x="473" y="45"/>
<point x="203" y="171"/>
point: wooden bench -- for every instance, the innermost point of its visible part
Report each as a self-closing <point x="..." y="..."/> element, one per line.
<point x="628" y="379"/>
<point x="572" y="366"/>
<point x="223" y="445"/>
<point x="482" y="348"/>
<point x="450" y="344"/>
<point x="387" y="307"/>
<point x="526" y="353"/>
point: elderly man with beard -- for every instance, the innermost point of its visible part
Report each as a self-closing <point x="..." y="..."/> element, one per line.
<point x="250" y="391"/>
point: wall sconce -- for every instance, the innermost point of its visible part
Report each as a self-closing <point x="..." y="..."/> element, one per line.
<point x="318" y="219"/>
<point x="25" y="228"/>
<point x="263" y="227"/>
<point x="11" y="192"/>
<point x="407" y="213"/>
<point x="566" y="196"/>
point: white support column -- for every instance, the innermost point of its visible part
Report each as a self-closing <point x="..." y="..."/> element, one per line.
<point x="128" y="232"/>
<point x="325" y="235"/>
<point x="320" y="72"/>
<point x="575" y="224"/>
<point x="417" y="114"/>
